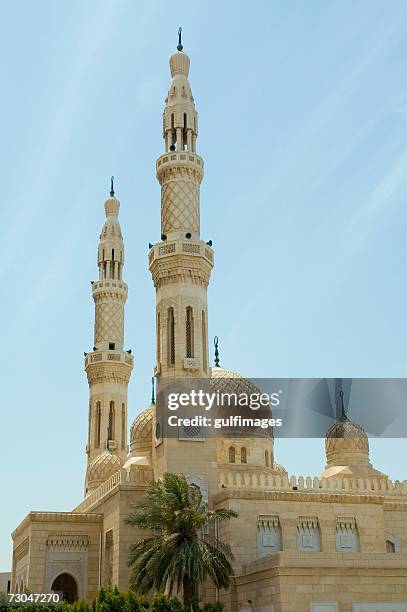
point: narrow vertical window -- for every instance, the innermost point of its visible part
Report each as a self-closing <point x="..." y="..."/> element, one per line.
<point x="204" y="348"/>
<point x="266" y="458"/>
<point x="158" y="339"/>
<point x="111" y="422"/>
<point x="98" y="420"/>
<point x="232" y="454"/>
<point x="89" y="422"/>
<point x="189" y="329"/>
<point x="243" y="455"/>
<point x="171" y="337"/>
<point x="123" y="426"/>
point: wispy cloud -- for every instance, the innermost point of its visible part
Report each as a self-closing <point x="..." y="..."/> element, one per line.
<point x="365" y="219"/>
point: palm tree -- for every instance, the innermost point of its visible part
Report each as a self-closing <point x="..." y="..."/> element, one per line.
<point x="179" y="553"/>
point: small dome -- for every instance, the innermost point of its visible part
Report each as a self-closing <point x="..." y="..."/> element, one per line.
<point x="347" y="452"/>
<point x="101" y="468"/>
<point x="112" y="206"/>
<point x="346" y="435"/>
<point x="141" y="433"/>
<point x="179" y="63"/>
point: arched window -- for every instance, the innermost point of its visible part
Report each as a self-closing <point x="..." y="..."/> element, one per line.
<point x="243" y="455"/>
<point x="123" y="426"/>
<point x="97" y="424"/>
<point x="232" y="454"/>
<point x="392" y="543"/>
<point x="266" y="458"/>
<point x="110" y="434"/>
<point x="390" y="547"/>
<point x="189" y="332"/>
<point x="171" y="337"/>
<point x="204" y="348"/>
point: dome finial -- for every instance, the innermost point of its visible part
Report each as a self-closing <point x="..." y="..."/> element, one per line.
<point x="344" y="416"/>
<point x="153" y="390"/>
<point x="216" y="343"/>
<point x="179" y="46"/>
<point x="111" y="186"/>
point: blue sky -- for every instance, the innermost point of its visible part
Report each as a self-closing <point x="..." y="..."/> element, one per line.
<point x="303" y="116"/>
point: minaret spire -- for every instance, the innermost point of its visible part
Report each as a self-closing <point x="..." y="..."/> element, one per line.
<point x="108" y="366"/>
<point x="181" y="263"/>
<point x="179" y="46"/>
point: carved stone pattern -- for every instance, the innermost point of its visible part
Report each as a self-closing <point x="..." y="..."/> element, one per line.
<point x="106" y="376"/>
<point x="68" y="542"/>
<point x="22" y="549"/>
<point x="268" y="520"/>
<point x="109" y="322"/>
<point x="167" y="248"/>
<point x="308" y="522"/>
<point x="188" y="172"/>
<point x="179" y="206"/>
<point x="297" y="496"/>
<point x="194" y="270"/>
<point x="345" y="522"/>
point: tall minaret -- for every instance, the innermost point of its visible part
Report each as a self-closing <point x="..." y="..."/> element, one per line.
<point x="181" y="263"/>
<point x="108" y="367"/>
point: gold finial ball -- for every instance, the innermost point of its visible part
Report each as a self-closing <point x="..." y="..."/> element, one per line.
<point x="179" y="63"/>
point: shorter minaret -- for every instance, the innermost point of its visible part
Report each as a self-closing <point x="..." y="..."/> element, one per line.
<point x="108" y="367"/>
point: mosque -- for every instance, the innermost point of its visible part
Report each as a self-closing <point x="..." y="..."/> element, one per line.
<point x="333" y="543"/>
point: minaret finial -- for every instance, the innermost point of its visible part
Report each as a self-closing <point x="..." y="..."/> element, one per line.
<point x="111" y="186"/>
<point x="344" y="416"/>
<point x="153" y="390"/>
<point x="216" y="343"/>
<point x="179" y="46"/>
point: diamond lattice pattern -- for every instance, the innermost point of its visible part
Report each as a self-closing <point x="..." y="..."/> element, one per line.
<point x="109" y="322"/>
<point x="180" y="206"/>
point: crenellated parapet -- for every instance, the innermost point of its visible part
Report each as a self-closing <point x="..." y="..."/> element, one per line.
<point x="138" y="476"/>
<point x="246" y="479"/>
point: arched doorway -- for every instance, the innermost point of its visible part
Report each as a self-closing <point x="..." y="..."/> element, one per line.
<point x="66" y="585"/>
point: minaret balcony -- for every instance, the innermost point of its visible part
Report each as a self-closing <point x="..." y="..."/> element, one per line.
<point x="109" y="285"/>
<point x="109" y="357"/>
<point x="180" y="247"/>
<point x="180" y="158"/>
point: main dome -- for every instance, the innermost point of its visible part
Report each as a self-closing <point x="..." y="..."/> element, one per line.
<point x="228" y="381"/>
